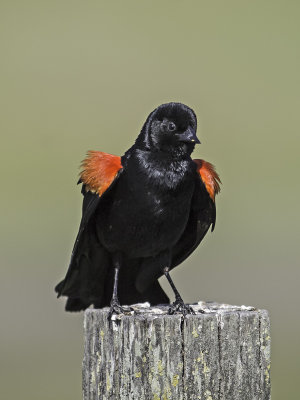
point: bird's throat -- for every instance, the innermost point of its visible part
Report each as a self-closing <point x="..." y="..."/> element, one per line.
<point x="162" y="169"/>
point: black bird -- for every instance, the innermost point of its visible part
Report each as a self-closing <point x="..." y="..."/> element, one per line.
<point x="143" y="214"/>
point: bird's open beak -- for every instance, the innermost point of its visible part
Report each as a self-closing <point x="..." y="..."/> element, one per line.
<point x="189" y="136"/>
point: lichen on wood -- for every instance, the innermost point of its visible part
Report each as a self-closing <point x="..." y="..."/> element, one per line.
<point x="146" y="354"/>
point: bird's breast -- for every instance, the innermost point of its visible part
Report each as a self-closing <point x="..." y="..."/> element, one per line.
<point x="146" y="213"/>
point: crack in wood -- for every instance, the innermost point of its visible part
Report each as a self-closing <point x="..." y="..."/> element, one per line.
<point x="219" y="358"/>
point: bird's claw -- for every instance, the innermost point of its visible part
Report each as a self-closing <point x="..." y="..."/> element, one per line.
<point x="180" y="307"/>
<point x="115" y="308"/>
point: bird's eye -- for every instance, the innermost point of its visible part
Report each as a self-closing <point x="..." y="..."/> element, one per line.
<point x="171" y="126"/>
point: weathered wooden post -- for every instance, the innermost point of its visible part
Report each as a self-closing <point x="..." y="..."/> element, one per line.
<point x="223" y="353"/>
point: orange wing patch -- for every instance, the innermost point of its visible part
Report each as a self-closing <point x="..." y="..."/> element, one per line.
<point x="99" y="170"/>
<point x="209" y="177"/>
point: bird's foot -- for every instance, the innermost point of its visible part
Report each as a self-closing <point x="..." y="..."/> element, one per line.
<point x="115" y="308"/>
<point x="180" y="307"/>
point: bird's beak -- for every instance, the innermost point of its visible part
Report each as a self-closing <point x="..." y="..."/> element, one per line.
<point x="189" y="136"/>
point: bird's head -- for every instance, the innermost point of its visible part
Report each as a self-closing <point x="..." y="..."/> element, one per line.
<point x="170" y="128"/>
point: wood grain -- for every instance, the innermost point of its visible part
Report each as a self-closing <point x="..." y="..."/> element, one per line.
<point x="223" y="353"/>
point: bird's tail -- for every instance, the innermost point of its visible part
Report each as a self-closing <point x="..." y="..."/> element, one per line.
<point x="84" y="289"/>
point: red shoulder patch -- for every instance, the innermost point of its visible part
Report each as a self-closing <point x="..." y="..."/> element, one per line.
<point x="99" y="170"/>
<point x="209" y="177"/>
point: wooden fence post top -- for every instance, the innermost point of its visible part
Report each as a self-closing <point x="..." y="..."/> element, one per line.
<point x="146" y="354"/>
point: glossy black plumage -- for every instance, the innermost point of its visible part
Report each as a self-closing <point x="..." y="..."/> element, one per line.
<point x="152" y="217"/>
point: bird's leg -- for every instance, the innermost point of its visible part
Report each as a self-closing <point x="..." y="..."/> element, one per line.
<point x="115" y="306"/>
<point x="178" y="305"/>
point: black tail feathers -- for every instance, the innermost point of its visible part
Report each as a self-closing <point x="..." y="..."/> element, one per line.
<point x="59" y="287"/>
<point x="76" y="304"/>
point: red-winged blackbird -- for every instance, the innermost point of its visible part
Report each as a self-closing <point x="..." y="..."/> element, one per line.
<point x="143" y="214"/>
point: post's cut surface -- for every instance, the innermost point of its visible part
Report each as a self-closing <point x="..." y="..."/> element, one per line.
<point x="223" y="353"/>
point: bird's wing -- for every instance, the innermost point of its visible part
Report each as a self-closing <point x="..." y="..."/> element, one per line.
<point x="100" y="172"/>
<point x="202" y="214"/>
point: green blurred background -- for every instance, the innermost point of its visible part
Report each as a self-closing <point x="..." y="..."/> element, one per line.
<point x="79" y="75"/>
